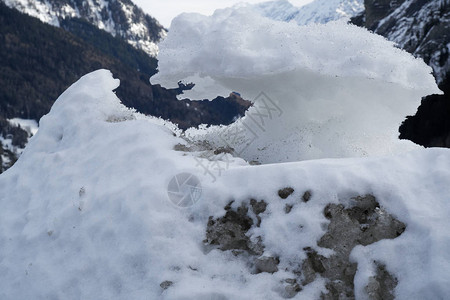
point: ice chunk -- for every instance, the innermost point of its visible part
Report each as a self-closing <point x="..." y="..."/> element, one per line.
<point x="339" y="90"/>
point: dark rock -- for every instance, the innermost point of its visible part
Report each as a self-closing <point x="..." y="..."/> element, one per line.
<point x="362" y="223"/>
<point x="221" y="150"/>
<point x="290" y="288"/>
<point x="315" y="260"/>
<point x="166" y="284"/>
<point x="229" y="231"/>
<point x="266" y="264"/>
<point x="377" y="10"/>
<point x="338" y="290"/>
<point x="182" y="148"/>
<point x="288" y="208"/>
<point x="306" y="196"/>
<point x="286" y="192"/>
<point x="359" y="20"/>
<point x="258" y="206"/>
<point x="382" y="285"/>
<point x="430" y="126"/>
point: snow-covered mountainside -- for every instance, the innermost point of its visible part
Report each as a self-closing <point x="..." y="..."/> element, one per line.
<point x="120" y="18"/>
<point x="419" y="27"/>
<point x="89" y="212"/>
<point x="318" y="11"/>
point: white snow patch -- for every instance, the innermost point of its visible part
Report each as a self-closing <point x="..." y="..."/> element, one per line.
<point x="319" y="11"/>
<point x="42" y="10"/>
<point x="30" y="126"/>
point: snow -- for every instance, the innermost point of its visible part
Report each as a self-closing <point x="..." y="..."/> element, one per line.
<point x="318" y="11"/>
<point x="335" y="90"/>
<point x="5" y="160"/>
<point x="281" y="10"/>
<point x="30" y="126"/>
<point x="336" y="49"/>
<point x="86" y="215"/>
<point x="411" y="19"/>
<point x="7" y="143"/>
<point x="137" y="34"/>
<point x="38" y="9"/>
<point x="165" y="11"/>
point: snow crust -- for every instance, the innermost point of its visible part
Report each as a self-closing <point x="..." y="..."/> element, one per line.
<point x="342" y="91"/>
<point x="85" y="212"/>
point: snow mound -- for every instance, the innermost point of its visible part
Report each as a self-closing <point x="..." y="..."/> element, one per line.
<point x="239" y="43"/>
<point x="343" y="91"/>
<point x="85" y="212"/>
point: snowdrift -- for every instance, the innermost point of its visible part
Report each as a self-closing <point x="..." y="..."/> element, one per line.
<point x="332" y="90"/>
<point x="85" y="213"/>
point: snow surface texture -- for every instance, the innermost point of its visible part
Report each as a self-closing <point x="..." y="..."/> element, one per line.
<point x="341" y="91"/>
<point x="133" y="28"/>
<point x="85" y="213"/>
<point x="319" y="11"/>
